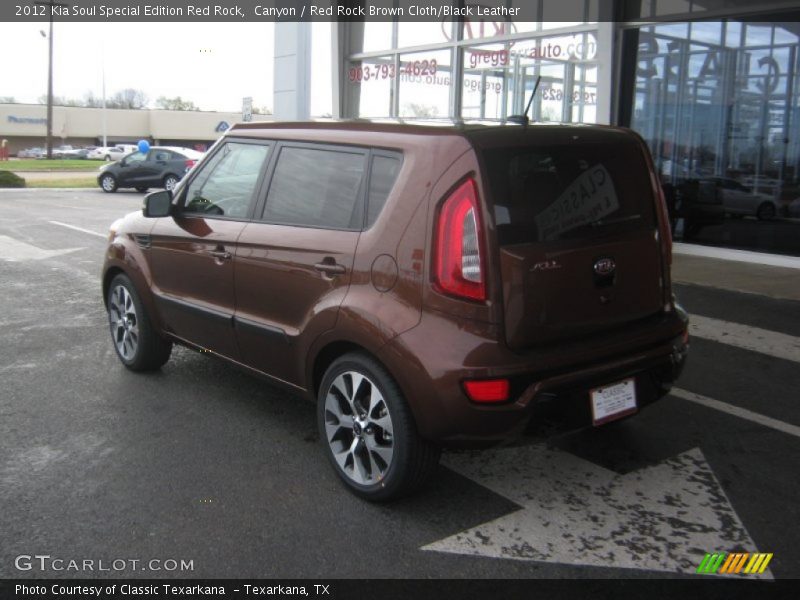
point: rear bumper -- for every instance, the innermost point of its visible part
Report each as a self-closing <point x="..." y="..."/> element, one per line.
<point x="539" y="385"/>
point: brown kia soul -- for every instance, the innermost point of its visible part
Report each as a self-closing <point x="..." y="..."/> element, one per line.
<point x="426" y="285"/>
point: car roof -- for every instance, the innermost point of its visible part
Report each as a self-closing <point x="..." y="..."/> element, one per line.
<point x="480" y="133"/>
<point x="186" y="151"/>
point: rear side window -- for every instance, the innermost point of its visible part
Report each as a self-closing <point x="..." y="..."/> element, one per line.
<point x="580" y="191"/>
<point x="382" y="176"/>
<point x="316" y="188"/>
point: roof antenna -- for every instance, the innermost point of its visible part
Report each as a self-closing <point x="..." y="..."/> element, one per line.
<point x="523" y="118"/>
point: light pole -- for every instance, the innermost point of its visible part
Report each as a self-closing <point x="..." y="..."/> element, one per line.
<point x="51" y="4"/>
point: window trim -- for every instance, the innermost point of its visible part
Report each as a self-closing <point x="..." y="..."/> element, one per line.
<point x="261" y="205"/>
<point x="179" y="201"/>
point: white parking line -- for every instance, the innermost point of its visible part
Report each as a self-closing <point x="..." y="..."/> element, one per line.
<point x="737" y="411"/>
<point x="756" y="339"/>
<point x="76" y="228"/>
<point x="746" y="256"/>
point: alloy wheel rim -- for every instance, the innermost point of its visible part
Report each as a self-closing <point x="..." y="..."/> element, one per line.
<point x="358" y="428"/>
<point x="108" y="183"/>
<point x="124" y="322"/>
<point x="169" y="184"/>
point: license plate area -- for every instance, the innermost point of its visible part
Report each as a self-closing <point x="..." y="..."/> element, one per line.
<point x="613" y="401"/>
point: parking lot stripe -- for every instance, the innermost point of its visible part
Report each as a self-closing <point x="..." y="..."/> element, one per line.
<point x="76" y="228"/>
<point x="737" y="411"/>
<point x="756" y="339"/>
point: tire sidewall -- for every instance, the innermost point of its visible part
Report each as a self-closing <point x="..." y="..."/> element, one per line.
<point x="167" y="179"/>
<point x="114" y="181"/>
<point x="141" y="319"/>
<point x="398" y="412"/>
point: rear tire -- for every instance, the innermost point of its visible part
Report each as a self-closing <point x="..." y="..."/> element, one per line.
<point x="766" y="211"/>
<point x="368" y="431"/>
<point x="108" y="183"/>
<point x="170" y="181"/>
<point x="138" y="345"/>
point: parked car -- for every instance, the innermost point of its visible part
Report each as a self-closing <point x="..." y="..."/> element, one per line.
<point x="699" y="203"/>
<point x="423" y="285"/>
<point x="62" y="151"/>
<point x="31" y="153"/>
<point x="740" y="200"/>
<point x="112" y="153"/>
<point x="161" y="166"/>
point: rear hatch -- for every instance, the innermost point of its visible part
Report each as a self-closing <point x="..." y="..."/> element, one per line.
<point x="576" y="223"/>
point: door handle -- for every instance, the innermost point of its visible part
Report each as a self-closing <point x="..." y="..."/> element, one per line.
<point x="220" y="254"/>
<point x="330" y="268"/>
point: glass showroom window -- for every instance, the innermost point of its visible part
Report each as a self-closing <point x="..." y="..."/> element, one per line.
<point x="499" y="78"/>
<point x="424" y="84"/>
<point x="372" y="80"/>
<point x="719" y="105"/>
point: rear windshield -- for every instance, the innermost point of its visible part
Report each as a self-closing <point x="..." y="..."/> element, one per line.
<point x="578" y="191"/>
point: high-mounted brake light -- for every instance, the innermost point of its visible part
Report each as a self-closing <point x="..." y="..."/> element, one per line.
<point x="487" y="390"/>
<point x="458" y="258"/>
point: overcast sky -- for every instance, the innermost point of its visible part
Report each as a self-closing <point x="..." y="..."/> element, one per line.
<point x="212" y="64"/>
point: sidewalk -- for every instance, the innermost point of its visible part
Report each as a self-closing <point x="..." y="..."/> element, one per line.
<point x="42" y="175"/>
<point x="767" y="280"/>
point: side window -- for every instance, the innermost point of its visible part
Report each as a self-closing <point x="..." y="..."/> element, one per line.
<point x="381" y="180"/>
<point x="162" y="155"/>
<point x="317" y="188"/>
<point x="224" y="186"/>
<point x="135" y="157"/>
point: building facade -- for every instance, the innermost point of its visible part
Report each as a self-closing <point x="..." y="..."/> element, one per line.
<point x="713" y="86"/>
<point x="25" y="126"/>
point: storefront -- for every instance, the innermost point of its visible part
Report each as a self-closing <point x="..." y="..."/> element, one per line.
<point x="712" y="85"/>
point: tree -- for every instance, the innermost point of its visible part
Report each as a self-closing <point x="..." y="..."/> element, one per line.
<point x="128" y="98"/>
<point x="176" y="103"/>
<point x="7" y="100"/>
<point x="262" y="110"/>
<point x="60" y="101"/>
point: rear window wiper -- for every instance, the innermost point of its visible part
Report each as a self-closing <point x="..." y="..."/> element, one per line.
<point x="602" y="222"/>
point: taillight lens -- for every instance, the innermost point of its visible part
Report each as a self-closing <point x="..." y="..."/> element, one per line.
<point x="664" y="226"/>
<point x="190" y="163"/>
<point x="487" y="390"/>
<point x="458" y="261"/>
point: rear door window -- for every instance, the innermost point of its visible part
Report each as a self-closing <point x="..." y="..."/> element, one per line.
<point x="561" y="192"/>
<point x="317" y="187"/>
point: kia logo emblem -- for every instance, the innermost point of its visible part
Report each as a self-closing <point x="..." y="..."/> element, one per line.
<point x="605" y="266"/>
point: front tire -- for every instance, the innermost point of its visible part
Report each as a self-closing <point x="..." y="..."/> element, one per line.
<point x="368" y="431"/>
<point x="138" y="345"/>
<point x="108" y="183"/>
<point x="170" y="181"/>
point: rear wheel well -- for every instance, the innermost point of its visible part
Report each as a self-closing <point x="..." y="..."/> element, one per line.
<point x="326" y="357"/>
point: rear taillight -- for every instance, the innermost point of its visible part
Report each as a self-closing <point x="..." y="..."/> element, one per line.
<point x="190" y="163"/>
<point x="458" y="258"/>
<point x="665" y="231"/>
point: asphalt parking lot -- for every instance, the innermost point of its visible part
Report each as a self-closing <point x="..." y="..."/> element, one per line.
<point x="204" y="464"/>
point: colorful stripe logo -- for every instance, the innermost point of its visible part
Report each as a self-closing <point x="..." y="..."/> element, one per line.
<point x="735" y="563"/>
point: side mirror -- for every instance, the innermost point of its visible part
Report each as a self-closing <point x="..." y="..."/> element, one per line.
<point x="157" y="204"/>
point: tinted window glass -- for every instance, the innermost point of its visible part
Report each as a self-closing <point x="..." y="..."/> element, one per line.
<point x="568" y="192"/>
<point x="316" y="187"/>
<point x="381" y="179"/>
<point x="135" y="157"/>
<point x="224" y="186"/>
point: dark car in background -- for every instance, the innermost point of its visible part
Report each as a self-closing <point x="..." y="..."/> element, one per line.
<point x="161" y="166"/>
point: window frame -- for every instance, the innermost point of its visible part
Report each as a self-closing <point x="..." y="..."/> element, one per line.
<point x="365" y="153"/>
<point x="179" y="201"/>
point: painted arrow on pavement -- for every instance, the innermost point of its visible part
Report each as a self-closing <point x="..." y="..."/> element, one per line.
<point x="660" y="518"/>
